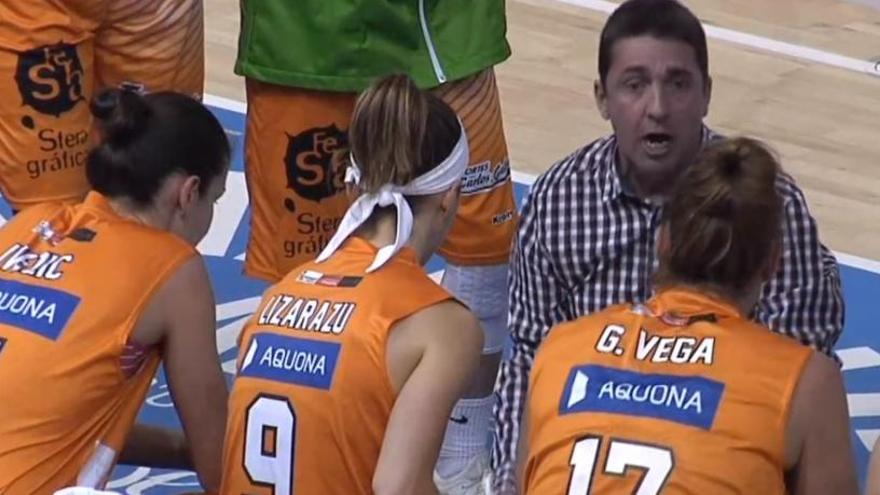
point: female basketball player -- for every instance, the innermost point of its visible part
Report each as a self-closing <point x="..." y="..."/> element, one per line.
<point x="93" y="296"/>
<point x="350" y="367"/>
<point x="685" y="394"/>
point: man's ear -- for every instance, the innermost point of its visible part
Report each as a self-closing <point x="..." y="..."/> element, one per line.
<point x="707" y="96"/>
<point x="601" y="98"/>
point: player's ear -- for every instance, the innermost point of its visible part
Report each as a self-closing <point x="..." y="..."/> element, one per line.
<point x="449" y="199"/>
<point x="189" y="192"/>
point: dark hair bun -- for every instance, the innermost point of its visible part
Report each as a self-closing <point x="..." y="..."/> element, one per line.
<point x="731" y="165"/>
<point x="146" y="138"/>
<point x="122" y="113"/>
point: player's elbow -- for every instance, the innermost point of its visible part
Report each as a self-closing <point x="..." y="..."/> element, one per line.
<point x="210" y="471"/>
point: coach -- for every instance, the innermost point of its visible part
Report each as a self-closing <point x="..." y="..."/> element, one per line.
<point x="587" y="235"/>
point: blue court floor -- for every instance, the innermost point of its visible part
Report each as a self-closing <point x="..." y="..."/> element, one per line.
<point x="237" y="297"/>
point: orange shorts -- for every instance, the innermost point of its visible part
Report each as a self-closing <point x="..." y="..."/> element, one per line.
<point x="295" y="148"/>
<point x="59" y="57"/>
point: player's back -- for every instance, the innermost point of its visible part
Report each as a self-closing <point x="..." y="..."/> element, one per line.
<point x="681" y="395"/>
<point x="313" y="396"/>
<point x="74" y="281"/>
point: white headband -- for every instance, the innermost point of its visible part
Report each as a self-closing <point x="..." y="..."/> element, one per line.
<point x="439" y="179"/>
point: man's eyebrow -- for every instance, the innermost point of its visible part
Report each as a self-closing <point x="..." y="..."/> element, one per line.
<point x="634" y="69"/>
<point x="679" y="72"/>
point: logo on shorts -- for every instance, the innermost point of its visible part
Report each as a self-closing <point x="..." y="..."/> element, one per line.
<point x="315" y="163"/>
<point x="50" y="78"/>
<point x="502" y="217"/>
<point x="484" y="177"/>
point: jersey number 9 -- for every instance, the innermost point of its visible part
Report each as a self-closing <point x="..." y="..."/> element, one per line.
<point x="269" y="439"/>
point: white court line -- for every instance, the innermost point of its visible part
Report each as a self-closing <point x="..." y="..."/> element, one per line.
<point x="529" y="179"/>
<point x="858" y="262"/>
<point x="759" y="42"/>
<point x="863" y="405"/>
<point x="868" y="437"/>
<point x="856" y="358"/>
<point x="225" y="103"/>
<point x="524" y="178"/>
<point x="238" y="308"/>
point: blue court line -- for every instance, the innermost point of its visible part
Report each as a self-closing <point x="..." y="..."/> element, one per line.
<point x="236" y="295"/>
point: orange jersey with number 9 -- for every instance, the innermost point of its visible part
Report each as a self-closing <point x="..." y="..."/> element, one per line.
<point x="313" y="395"/>
<point x="682" y="395"/>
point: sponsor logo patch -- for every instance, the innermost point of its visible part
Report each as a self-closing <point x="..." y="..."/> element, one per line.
<point x="688" y="400"/>
<point x="484" y="177"/>
<point x="50" y="78"/>
<point x="40" y="310"/>
<point x="279" y="358"/>
<point x="315" y="163"/>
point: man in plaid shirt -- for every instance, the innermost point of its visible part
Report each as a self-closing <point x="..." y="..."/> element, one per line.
<point x="588" y="228"/>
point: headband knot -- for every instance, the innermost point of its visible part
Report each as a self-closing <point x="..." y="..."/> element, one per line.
<point x="439" y="179"/>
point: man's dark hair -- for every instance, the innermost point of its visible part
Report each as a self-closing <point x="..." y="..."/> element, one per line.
<point x="662" y="19"/>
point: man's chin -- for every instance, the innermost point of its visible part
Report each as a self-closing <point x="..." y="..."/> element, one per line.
<point x="668" y="166"/>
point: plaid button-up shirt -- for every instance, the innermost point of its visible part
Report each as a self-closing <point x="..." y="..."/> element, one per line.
<point x="585" y="243"/>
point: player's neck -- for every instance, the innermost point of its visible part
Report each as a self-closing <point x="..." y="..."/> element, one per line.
<point x="381" y="230"/>
<point x="747" y="301"/>
<point x="743" y="301"/>
<point x="150" y="217"/>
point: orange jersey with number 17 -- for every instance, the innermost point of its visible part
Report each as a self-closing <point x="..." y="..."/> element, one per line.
<point x="682" y="395"/>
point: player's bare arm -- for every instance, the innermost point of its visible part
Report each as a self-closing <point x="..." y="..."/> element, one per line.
<point x="431" y="356"/>
<point x="182" y="317"/>
<point x="819" y="454"/>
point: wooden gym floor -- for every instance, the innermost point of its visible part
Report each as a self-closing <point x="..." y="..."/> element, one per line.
<point x="799" y="74"/>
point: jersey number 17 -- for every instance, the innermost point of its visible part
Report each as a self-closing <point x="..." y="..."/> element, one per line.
<point x="656" y="461"/>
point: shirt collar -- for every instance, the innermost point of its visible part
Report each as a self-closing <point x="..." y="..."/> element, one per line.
<point x="686" y="302"/>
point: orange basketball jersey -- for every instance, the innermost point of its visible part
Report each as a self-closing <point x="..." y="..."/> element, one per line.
<point x="682" y="395"/>
<point x="74" y="281"/>
<point x="309" y="407"/>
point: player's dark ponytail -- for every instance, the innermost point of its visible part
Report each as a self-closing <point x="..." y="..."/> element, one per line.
<point x="146" y="138"/>
<point x="724" y="217"/>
